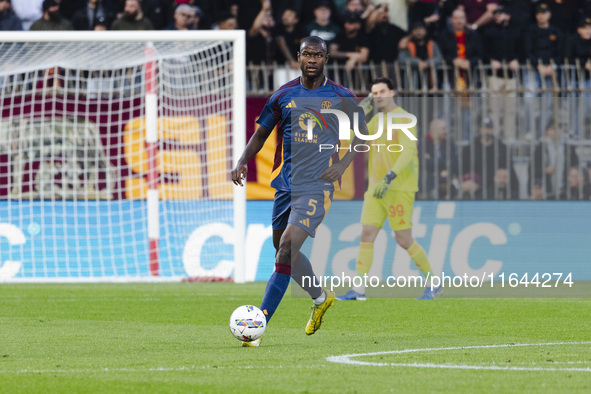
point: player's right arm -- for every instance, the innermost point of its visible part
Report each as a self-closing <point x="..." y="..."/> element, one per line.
<point x="253" y="147"/>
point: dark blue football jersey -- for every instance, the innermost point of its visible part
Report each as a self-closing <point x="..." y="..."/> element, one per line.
<point x="293" y="108"/>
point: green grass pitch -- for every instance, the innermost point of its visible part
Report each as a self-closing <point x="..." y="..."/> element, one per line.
<point x="174" y="338"/>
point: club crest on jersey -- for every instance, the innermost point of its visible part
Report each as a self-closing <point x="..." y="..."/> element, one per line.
<point x="326" y="104"/>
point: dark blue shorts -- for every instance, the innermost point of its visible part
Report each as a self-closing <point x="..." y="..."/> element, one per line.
<point x="305" y="210"/>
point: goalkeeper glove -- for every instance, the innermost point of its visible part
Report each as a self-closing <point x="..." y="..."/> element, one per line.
<point x="383" y="185"/>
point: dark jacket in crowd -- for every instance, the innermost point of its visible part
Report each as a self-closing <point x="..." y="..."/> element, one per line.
<point x="502" y="42"/>
<point x="9" y="21"/>
<point x="381" y="40"/>
<point x="578" y="48"/>
<point x="449" y="47"/>
<point x="544" y="44"/>
<point x="87" y="18"/>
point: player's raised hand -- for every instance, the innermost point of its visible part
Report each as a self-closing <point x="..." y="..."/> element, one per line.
<point x="238" y="174"/>
<point x="334" y="172"/>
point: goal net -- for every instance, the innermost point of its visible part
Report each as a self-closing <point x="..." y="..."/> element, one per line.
<point x="115" y="150"/>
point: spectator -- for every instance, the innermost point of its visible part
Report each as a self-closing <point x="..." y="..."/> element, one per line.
<point x="485" y="154"/>
<point x="100" y="25"/>
<point x="69" y="7"/>
<point x="426" y="11"/>
<point x="479" y="13"/>
<point x="578" y="53"/>
<point x="183" y="14"/>
<point x="579" y="48"/>
<point x="521" y="12"/>
<point x="307" y="10"/>
<point x="354" y="7"/>
<point x="579" y="187"/>
<point x="94" y="11"/>
<point x="279" y="7"/>
<point x="552" y="158"/>
<point x="421" y="53"/>
<point x="543" y="46"/>
<point x="585" y="7"/>
<point x="503" y="44"/>
<point x="502" y="190"/>
<point x="247" y="12"/>
<point x="358" y="7"/>
<point x="226" y="21"/>
<point x="8" y="19"/>
<point x="28" y="11"/>
<point x="471" y="186"/>
<point x="195" y="18"/>
<point x="565" y="15"/>
<point x="383" y="35"/>
<point x="153" y="12"/>
<point x="460" y="47"/>
<point x="288" y="38"/>
<point x="322" y="26"/>
<point x="205" y="10"/>
<point x="397" y="12"/>
<point x="259" y="41"/>
<point x="51" y="19"/>
<point x="132" y="18"/>
<point x="351" y="45"/>
<point x="440" y="160"/>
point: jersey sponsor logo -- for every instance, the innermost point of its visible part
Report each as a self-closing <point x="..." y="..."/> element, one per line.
<point x="291" y="104"/>
<point x="308" y="121"/>
<point x="305" y="222"/>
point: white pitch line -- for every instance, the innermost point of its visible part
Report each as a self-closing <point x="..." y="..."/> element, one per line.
<point x="155" y="369"/>
<point x="347" y="358"/>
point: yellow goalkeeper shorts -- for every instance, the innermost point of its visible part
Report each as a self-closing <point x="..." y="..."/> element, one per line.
<point x="396" y="206"/>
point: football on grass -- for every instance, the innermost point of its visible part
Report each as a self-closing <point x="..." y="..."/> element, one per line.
<point x="248" y="323"/>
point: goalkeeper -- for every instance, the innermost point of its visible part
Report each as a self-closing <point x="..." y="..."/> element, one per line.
<point x="392" y="184"/>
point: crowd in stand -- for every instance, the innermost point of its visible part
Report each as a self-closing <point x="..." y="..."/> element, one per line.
<point x="457" y="31"/>
<point x="485" y="170"/>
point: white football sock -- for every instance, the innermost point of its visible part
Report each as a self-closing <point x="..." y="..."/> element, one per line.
<point x="321" y="298"/>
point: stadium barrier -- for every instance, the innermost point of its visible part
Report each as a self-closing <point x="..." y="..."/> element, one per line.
<point x="459" y="237"/>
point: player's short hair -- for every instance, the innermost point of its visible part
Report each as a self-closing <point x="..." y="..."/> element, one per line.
<point x="385" y="80"/>
<point x="314" y="40"/>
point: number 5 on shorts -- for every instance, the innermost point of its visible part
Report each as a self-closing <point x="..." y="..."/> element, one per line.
<point x="312" y="203"/>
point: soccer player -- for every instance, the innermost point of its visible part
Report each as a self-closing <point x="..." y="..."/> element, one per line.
<point x="392" y="184"/>
<point x="304" y="174"/>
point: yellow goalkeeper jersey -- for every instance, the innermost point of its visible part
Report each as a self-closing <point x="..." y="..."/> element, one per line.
<point x="407" y="177"/>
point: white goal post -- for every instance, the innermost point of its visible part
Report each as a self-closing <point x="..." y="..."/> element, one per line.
<point x="115" y="151"/>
